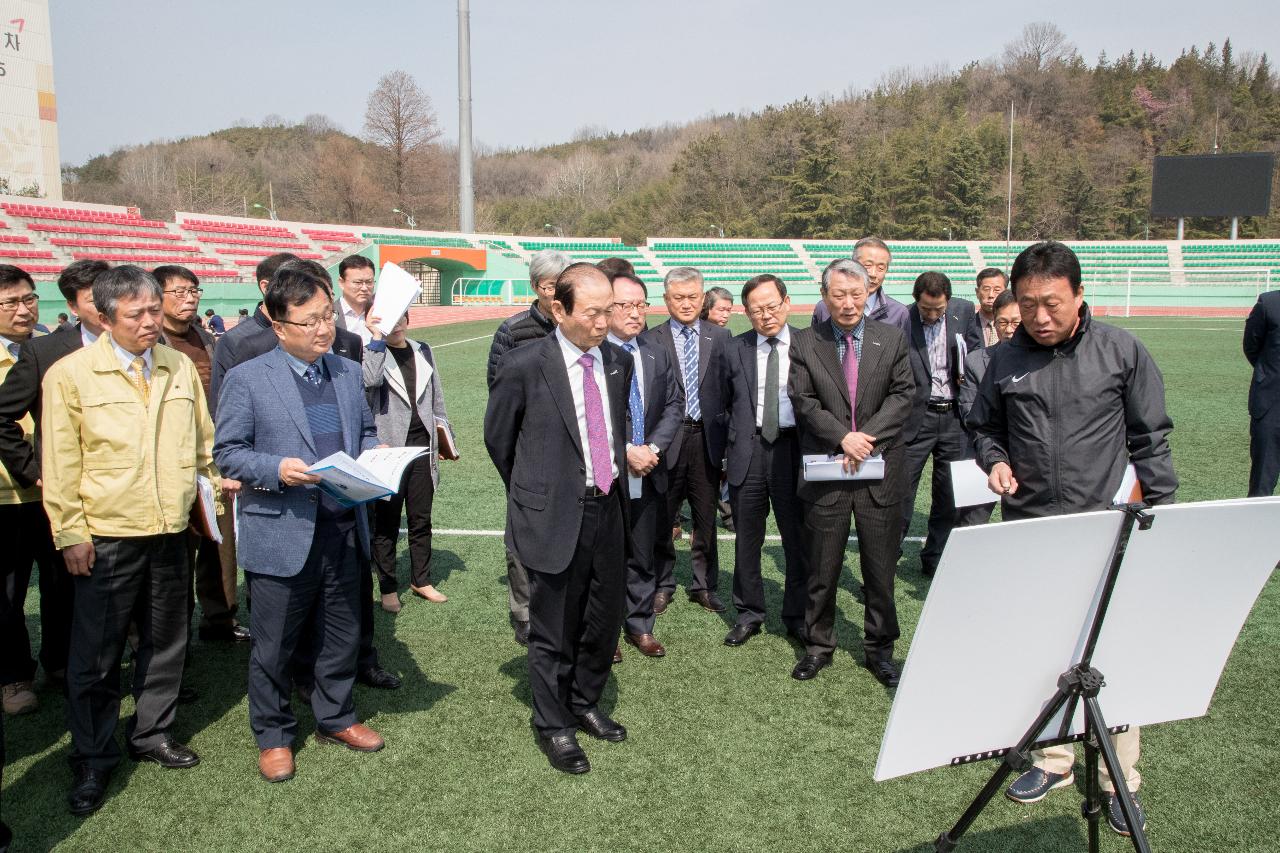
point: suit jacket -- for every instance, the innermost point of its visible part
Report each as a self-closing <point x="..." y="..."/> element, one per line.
<point x="251" y="338"/>
<point x="531" y="433"/>
<point x="973" y="338"/>
<point x="713" y="341"/>
<point x="959" y="314"/>
<point x="261" y="420"/>
<point x="741" y="388"/>
<point x="820" y="398"/>
<point x="1261" y="348"/>
<point x="390" y="400"/>
<point x="20" y="396"/>
<point x="887" y="310"/>
<point x="663" y="406"/>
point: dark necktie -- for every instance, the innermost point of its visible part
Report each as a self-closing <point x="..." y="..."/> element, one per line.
<point x="689" y="367"/>
<point x="769" y="420"/>
<point x="313" y="374"/>
<point x="851" y="378"/>
<point x="13" y="349"/>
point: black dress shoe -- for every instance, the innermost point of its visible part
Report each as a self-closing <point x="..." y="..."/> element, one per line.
<point x="564" y="753"/>
<point x="708" y="600"/>
<point x="224" y="634"/>
<point x="599" y="726"/>
<point x="88" y="790"/>
<point x="522" y="633"/>
<point x="739" y="634"/>
<point x="169" y="753"/>
<point x="187" y="695"/>
<point x="808" y="667"/>
<point x="884" y="671"/>
<point x="376" y="676"/>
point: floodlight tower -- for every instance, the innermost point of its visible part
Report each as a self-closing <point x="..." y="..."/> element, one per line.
<point x="466" y="193"/>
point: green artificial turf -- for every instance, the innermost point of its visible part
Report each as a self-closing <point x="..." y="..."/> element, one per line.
<point x="726" y="751"/>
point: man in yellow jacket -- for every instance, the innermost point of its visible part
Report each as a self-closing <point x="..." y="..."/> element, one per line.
<point x="125" y="433"/>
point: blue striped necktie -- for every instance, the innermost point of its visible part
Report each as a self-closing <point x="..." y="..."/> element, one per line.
<point x="634" y="401"/>
<point x="689" y="366"/>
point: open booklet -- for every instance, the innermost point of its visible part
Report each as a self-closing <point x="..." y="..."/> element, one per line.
<point x="819" y="467"/>
<point x="375" y="475"/>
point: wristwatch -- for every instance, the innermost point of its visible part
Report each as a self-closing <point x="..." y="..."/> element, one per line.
<point x="654" y="448"/>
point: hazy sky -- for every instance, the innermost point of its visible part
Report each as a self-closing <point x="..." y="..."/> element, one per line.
<point x="132" y="71"/>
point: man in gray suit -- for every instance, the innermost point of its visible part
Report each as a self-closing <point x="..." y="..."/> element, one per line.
<point x="851" y="389"/>
<point x="301" y="550"/>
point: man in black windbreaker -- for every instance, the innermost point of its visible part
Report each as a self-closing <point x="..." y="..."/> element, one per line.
<point x="1064" y="406"/>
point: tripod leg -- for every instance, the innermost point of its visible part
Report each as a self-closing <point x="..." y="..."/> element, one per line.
<point x="1093" y="714"/>
<point x="1092" y="807"/>
<point x="1015" y="759"/>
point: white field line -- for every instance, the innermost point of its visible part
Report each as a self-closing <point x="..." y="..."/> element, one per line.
<point x="467" y="341"/>
<point x="724" y="537"/>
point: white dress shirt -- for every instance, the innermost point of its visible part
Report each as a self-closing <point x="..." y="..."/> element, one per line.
<point x="87" y="338"/>
<point x="571" y="355"/>
<point x="786" y="414"/>
<point x="126" y="360"/>
<point x="354" y="321"/>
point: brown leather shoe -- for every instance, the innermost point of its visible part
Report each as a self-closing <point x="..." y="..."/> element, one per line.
<point x="617" y="654"/>
<point x="276" y="764"/>
<point x="359" y="737"/>
<point x="647" y="644"/>
<point x="660" y="601"/>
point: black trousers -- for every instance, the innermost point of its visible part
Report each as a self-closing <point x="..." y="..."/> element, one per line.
<point x="770" y="481"/>
<point x="826" y="532"/>
<point x="321" y="601"/>
<point x="1264" y="453"/>
<point x="415" y="497"/>
<point x="942" y="437"/>
<point x="28" y="541"/>
<point x="144" y="579"/>
<point x="648" y="523"/>
<point x="696" y="478"/>
<point x="574" y="619"/>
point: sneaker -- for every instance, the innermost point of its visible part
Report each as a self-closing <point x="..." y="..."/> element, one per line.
<point x="1115" y="816"/>
<point x="20" y="698"/>
<point x="1034" y="785"/>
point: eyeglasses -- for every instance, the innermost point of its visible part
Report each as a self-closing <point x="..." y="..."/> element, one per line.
<point x="545" y="288"/>
<point x="360" y="282"/>
<point x="765" y="309"/>
<point x="31" y="300"/>
<point x="690" y="297"/>
<point x="183" y="293"/>
<point x="628" y="307"/>
<point x="1009" y="324"/>
<point x="312" y="324"/>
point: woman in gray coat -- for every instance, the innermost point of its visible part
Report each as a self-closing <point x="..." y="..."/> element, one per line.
<point x="407" y="400"/>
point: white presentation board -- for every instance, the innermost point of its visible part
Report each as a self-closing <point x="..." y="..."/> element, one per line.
<point x="1010" y="608"/>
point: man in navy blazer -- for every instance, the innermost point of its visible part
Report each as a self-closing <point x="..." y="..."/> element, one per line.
<point x="654" y="413"/>
<point x="696" y="348"/>
<point x="1262" y="349"/>
<point x="555" y="429"/>
<point x="763" y="458"/>
<point x="938" y="323"/>
<point x="301" y="550"/>
<point x="875" y="257"/>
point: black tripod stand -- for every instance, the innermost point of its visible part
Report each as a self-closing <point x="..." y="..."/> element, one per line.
<point x="1079" y="683"/>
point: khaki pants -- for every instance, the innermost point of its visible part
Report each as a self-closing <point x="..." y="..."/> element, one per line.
<point x="1059" y="759"/>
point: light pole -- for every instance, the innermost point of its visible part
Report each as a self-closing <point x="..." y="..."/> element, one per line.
<point x="718" y="230"/>
<point x="270" y="210"/>
<point x="559" y="232"/>
<point x="408" y="217"/>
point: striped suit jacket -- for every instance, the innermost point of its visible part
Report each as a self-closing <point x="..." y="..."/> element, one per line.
<point x="823" y="410"/>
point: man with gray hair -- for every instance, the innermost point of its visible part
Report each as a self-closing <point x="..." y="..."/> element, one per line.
<point x="126" y="431"/>
<point x="851" y="389"/>
<point x="874" y="256"/>
<point x="696" y="349"/>
<point x="531" y="325"/>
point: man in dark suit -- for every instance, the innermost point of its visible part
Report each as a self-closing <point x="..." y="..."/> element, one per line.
<point x="938" y="324"/>
<point x="763" y="457"/>
<point x="696" y="350"/>
<point x="851" y="388"/>
<point x="564" y="398"/>
<point x="355" y="281"/>
<point x="279" y="414"/>
<point x="655" y="407"/>
<point x="875" y="257"/>
<point x="1262" y="349"/>
<point x="982" y="331"/>
<point x="20" y="396"/>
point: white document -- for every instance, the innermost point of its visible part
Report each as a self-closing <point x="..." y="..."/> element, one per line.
<point x="396" y="292"/>
<point x="208" y="508"/>
<point x="962" y="351"/>
<point x="1200" y="564"/>
<point x="820" y="468"/>
<point x="375" y="475"/>
<point x="969" y="485"/>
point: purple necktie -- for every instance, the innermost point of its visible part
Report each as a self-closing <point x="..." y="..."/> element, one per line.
<point x="597" y="437"/>
<point x="851" y="377"/>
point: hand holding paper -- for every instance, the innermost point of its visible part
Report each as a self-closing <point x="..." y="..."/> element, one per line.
<point x="396" y="292"/>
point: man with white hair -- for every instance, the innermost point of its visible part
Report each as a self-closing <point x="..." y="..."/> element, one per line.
<point x="531" y="325"/>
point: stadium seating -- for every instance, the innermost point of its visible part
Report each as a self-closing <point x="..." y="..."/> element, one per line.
<point x="730" y="263"/>
<point x="118" y="258"/>
<point x="263" y="252"/>
<point x="402" y="240"/>
<point x="101" y="232"/>
<point x="71" y="214"/>
<point x="14" y="238"/>
<point x="237" y="228"/>
<point x="112" y="244"/>
<point x="26" y="253"/>
<point x="321" y="234"/>
<point x="274" y="245"/>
